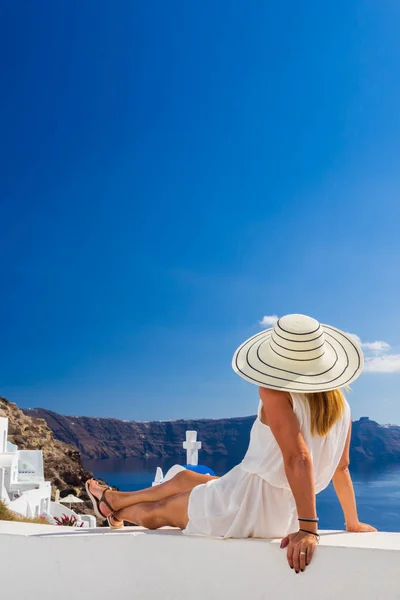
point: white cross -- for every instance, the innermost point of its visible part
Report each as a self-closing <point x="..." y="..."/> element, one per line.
<point x="192" y="447"/>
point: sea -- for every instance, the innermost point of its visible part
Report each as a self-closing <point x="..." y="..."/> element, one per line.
<point x="377" y="490"/>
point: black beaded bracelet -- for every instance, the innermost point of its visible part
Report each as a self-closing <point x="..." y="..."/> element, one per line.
<point x="312" y="533"/>
<point x="309" y="520"/>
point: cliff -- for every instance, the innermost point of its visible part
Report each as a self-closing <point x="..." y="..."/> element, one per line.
<point x="62" y="461"/>
<point x="111" y="438"/>
<point x="372" y="444"/>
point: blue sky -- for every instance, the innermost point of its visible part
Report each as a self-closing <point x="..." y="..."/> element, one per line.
<point x="175" y="171"/>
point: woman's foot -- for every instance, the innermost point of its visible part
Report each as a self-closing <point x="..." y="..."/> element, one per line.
<point x="114" y="523"/>
<point x="99" y="495"/>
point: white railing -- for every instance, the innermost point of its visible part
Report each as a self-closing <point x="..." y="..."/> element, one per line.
<point x="59" y="510"/>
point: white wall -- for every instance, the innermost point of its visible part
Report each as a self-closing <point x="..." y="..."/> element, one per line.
<point x="3" y="434"/>
<point x="34" y="492"/>
<point x="20" y="506"/>
<point x="3" y="492"/>
<point x="33" y="502"/>
<point x="33" y="458"/>
<point x="163" y="565"/>
<point x="9" y="461"/>
<point x="58" y="510"/>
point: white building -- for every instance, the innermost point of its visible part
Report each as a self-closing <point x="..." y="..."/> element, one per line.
<point x="22" y="484"/>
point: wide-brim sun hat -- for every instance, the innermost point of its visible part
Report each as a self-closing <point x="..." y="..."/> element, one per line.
<point x="299" y="354"/>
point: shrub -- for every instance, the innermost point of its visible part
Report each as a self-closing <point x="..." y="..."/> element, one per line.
<point x="8" y="515"/>
<point x="66" y="521"/>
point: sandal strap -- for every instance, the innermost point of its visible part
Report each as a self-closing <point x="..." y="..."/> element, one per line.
<point x="107" y="487"/>
<point x="113" y="519"/>
<point x="103" y="500"/>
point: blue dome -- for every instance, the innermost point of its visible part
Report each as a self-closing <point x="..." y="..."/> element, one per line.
<point x="200" y="469"/>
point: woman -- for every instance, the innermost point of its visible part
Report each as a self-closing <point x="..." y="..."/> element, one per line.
<point x="299" y="443"/>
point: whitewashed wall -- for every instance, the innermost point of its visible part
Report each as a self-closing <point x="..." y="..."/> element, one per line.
<point x="3" y="434"/>
<point x="58" y="510"/>
<point x="33" y="502"/>
<point x="3" y="492"/>
<point x="35" y="459"/>
<point x="165" y="565"/>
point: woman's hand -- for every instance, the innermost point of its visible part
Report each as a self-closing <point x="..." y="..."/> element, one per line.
<point x="360" y="528"/>
<point x="300" y="548"/>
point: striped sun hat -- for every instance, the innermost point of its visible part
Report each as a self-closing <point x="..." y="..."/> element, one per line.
<point x="299" y="354"/>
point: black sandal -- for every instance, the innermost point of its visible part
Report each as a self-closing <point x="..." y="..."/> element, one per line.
<point x="111" y="519"/>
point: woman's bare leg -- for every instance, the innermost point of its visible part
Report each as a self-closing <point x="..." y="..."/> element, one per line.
<point x="182" y="482"/>
<point x="172" y="511"/>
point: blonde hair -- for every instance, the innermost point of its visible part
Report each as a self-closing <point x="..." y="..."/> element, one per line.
<point x="326" y="409"/>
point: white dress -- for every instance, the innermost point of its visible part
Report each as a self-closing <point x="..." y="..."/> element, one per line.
<point x="254" y="499"/>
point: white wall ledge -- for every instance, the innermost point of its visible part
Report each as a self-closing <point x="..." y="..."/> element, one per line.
<point x="164" y="564"/>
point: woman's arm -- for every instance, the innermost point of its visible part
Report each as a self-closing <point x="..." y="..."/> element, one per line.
<point x="296" y="456"/>
<point x="344" y="488"/>
<point x="279" y="416"/>
<point x="345" y="492"/>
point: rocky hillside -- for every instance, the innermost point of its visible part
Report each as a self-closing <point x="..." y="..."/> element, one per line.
<point x="62" y="462"/>
<point x="372" y="444"/>
<point x="111" y="438"/>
